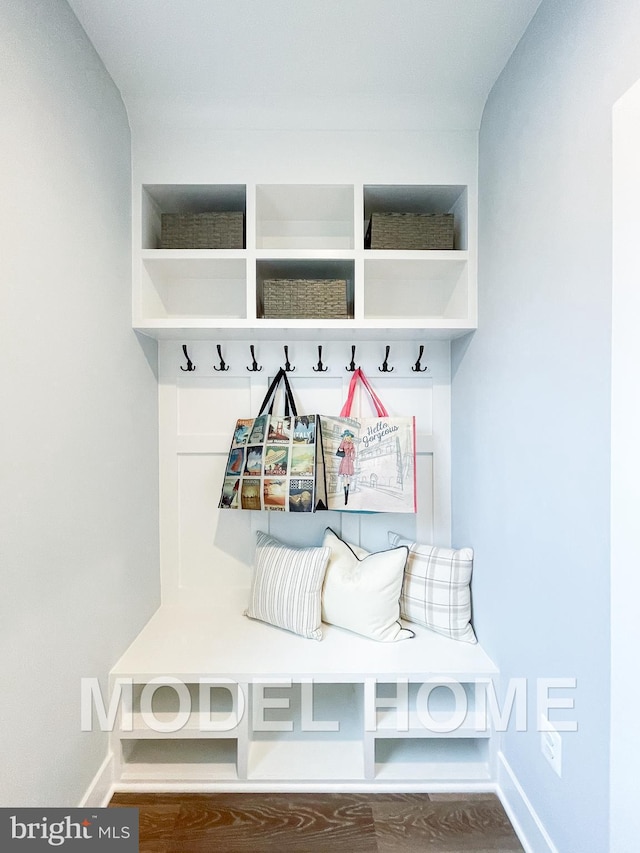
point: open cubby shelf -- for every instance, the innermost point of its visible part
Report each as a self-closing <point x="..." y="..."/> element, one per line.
<point x="303" y="232"/>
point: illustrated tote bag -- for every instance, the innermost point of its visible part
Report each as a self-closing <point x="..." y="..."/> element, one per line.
<point x="369" y="463"/>
<point x="274" y="462"/>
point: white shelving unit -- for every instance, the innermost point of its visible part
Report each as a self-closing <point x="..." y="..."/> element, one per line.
<point x="303" y="231"/>
<point x="343" y="735"/>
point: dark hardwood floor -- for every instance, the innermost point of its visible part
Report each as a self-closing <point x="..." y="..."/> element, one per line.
<point x="321" y="823"/>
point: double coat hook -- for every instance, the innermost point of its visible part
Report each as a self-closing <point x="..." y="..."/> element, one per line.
<point x="320" y="368"/>
<point x="190" y="365"/>
<point x="385" y="367"/>
<point x="223" y="365"/>
<point x="287" y="366"/>
<point x="254" y="367"/>
<point x="352" y="367"/>
<point x="416" y="367"/>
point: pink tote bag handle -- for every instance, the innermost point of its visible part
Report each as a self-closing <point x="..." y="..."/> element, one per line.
<point x="358" y="375"/>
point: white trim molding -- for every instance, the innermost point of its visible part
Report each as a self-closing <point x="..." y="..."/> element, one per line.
<point x="526" y="823"/>
<point x="100" y="788"/>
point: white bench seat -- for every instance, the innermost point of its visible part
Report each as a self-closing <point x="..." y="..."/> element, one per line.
<point x="193" y="640"/>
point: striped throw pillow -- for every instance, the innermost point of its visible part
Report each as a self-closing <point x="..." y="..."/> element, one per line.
<point x="287" y="586"/>
<point x="436" y="588"/>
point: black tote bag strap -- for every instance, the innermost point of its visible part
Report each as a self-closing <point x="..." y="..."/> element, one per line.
<point x="271" y="392"/>
<point x="270" y="396"/>
<point x="288" y="395"/>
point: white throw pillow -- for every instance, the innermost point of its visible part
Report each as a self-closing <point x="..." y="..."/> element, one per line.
<point x="287" y="586"/>
<point x="361" y="590"/>
<point x="436" y="589"/>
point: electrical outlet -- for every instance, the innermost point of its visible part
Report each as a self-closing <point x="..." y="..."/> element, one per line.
<point x="551" y="744"/>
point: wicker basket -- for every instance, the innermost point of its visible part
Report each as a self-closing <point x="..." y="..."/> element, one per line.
<point x="311" y="299"/>
<point x="202" y="230"/>
<point x="410" y="231"/>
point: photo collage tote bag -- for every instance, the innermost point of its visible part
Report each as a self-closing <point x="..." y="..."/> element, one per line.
<point x="275" y="462"/>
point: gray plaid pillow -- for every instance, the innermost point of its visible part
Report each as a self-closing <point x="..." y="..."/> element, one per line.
<point x="436" y="588"/>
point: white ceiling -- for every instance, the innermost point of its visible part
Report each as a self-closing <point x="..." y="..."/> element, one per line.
<point x="417" y="63"/>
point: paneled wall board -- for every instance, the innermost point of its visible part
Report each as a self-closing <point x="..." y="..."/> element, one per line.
<point x="206" y="551"/>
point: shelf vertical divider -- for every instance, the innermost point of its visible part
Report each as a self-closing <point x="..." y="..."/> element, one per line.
<point x="250" y="247"/>
<point x="242" y="735"/>
<point x="358" y="244"/>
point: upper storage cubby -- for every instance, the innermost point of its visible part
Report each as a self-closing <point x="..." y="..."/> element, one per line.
<point x="415" y="201"/>
<point x="184" y="200"/>
<point x="304" y="216"/>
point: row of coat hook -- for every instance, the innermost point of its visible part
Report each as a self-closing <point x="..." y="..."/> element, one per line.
<point x="320" y="368"/>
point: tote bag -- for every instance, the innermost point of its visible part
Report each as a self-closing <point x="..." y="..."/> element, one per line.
<point x="369" y="463"/>
<point x="274" y="462"/>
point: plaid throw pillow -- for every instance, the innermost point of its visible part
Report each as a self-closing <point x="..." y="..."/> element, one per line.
<point x="287" y="586"/>
<point x="435" y="589"/>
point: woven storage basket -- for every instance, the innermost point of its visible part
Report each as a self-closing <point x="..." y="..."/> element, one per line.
<point x="298" y="298"/>
<point x="410" y="231"/>
<point x="202" y="230"/>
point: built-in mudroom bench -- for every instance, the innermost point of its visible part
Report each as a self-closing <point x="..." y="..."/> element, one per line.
<point x="266" y="708"/>
<point x="212" y="699"/>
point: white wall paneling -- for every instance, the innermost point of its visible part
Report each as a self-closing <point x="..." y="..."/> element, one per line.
<point x="210" y="551"/>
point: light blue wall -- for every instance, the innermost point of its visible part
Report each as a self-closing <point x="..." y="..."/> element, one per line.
<point x="531" y="392"/>
<point x="78" y="401"/>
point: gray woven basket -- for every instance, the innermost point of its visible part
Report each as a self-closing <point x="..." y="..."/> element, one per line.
<point x="310" y="299"/>
<point x="410" y="231"/>
<point x="223" y="230"/>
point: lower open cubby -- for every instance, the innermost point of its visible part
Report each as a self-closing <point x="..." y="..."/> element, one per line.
<point x="314" y="734"/>
<point x="179" y="760"/>
<point x="434" y="759"/>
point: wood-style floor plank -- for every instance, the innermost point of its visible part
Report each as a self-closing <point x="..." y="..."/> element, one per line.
<point x="157" y="818"/>
<point x="452" y="825"/>
<point x="321" y="823"/>
<point x="296" y="823"/>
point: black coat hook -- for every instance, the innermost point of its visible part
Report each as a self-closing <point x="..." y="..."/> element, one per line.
<point x="352" y="366"/>
<point x="320" y="368"/>
<point x="190" y="365"/>
<point x="385" y="367"/>
<point x="254" y="367"/>
<point x="223" y="366"/>
<point x="417" y="368"/>
<point x="287" y="366"/>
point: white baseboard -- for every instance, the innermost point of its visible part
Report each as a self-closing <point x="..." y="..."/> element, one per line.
<point x="528" y="826"/>
<point x="100" y="789"/>
<point x="256" y="787"/>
